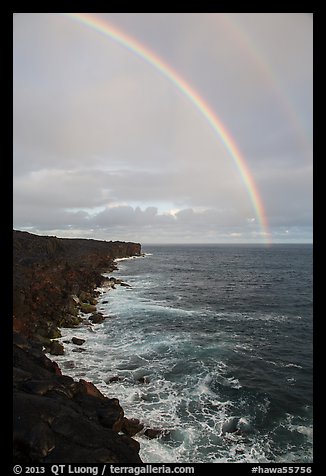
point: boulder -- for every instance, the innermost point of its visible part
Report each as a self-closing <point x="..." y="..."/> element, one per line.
<point x="69" y="364"/>
<point x="156" y="433"/>
<point x="87" y="308"/>
<point x="69" y="320"/>
<point x="97" y="318"/>
<point x="115" y="378"/>
<point x="131" y="426"/>
<point x="56" y="348"/>
<point x="77" y="341"/>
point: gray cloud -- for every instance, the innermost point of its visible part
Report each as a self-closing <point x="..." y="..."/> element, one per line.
<point x="103" y="143"/>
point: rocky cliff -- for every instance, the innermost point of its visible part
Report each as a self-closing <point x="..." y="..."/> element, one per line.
<point x="50" y="272"/>
<point x="57" y="419"/>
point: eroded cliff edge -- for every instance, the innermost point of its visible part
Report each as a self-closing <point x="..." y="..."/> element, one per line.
<point x="57" y="419"/>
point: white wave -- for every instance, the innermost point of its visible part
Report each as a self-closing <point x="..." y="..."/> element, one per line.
<point x="142" y="255"/>
<point x="306" y="430"/>
<point x="293" y="365"/>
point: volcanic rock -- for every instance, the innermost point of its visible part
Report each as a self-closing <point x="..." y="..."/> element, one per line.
<point x="156" y="433"/>
<point x="77" y="341"/>
<point x="97" y="318"/>
<point x="56" y="348"/>
<point x="131" y="426"/>
<point x="87" y="308"/>
<point x="56" y="419"/>
<point x="59" y="420"/>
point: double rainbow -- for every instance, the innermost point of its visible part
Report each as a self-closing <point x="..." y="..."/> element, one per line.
<point x="214" y="121"/>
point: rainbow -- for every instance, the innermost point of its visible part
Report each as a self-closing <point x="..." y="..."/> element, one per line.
<point x="102" y="26"/>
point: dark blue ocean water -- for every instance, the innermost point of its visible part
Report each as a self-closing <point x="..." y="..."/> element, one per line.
<point x="216" y="332"/>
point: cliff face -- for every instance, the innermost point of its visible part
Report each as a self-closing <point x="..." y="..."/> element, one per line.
<point x="57" y="419"/>
<point x="47" y="271"/>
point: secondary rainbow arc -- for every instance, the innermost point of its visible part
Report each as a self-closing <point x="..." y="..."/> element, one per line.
<point x="102" y="26"/>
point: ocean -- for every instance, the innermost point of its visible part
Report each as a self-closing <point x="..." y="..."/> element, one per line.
<point x="205" y="335"/>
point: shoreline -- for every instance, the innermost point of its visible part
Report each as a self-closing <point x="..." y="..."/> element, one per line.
<point x="58" y="419"/>
<point x="76" y="339"/>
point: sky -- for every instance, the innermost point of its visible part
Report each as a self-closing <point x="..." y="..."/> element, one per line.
<point x="106" y="145"/>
